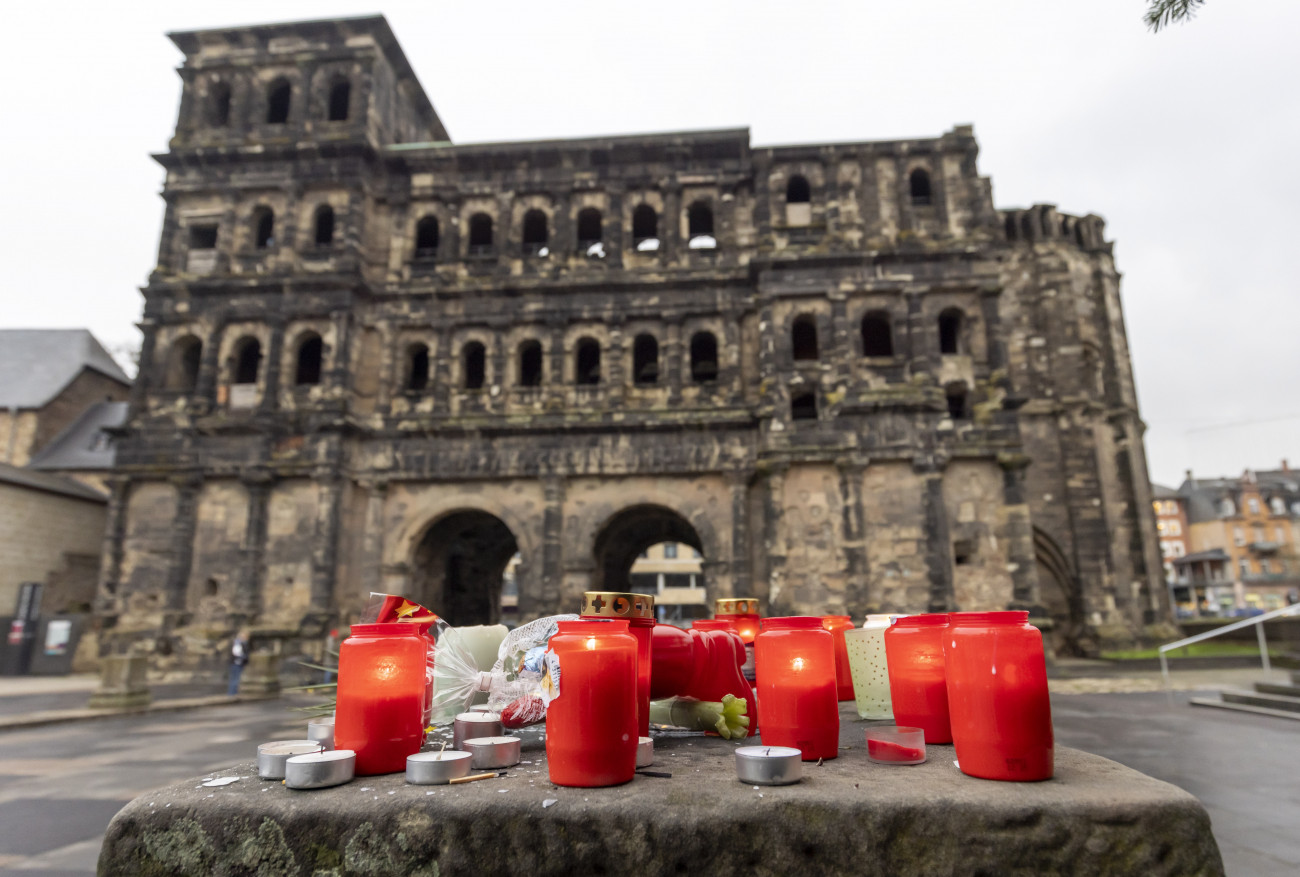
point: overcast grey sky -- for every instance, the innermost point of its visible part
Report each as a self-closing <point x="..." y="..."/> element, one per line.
<point x="1185" y="141"/>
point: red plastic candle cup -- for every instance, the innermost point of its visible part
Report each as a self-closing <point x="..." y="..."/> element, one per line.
<point x="795" y="659"/>
<point x="837" y="624"/>
<point x="639" y="611"/>
<point x="381" y="691"/>
<point x="891" y="745"/>
<point x="918" y="687"/>
<point x="997" y="695"/>
<point x="591" y="724"/>
<point x="741" y="613"/>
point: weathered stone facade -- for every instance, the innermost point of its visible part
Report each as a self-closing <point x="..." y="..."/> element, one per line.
<point x="375" y="360"/>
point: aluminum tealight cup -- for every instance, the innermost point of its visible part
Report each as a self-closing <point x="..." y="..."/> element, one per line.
<point x="467" y="726"/>
<point x="645" y="752"/>
<point x="271" y="757"/>
<point x="320" y="770"/>
<point x="492" y="753"/>
<point x="769" y="765"/>
<point x="437" y="768"/>
<point x="322" y="730"/>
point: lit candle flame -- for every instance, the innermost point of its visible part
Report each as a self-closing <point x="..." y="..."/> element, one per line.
<point x="797" y="664"/>
<point x="591" y="642"/>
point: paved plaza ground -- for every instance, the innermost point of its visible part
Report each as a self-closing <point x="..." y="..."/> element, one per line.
<point x="60" y="783"/>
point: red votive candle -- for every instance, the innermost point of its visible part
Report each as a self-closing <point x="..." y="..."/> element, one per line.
<point x="379" y="713"/>
<point x="639" y="611"/>
<point x="741" y="613"/>
<point x="997" y="695"/>
<point x="591" y="724"/>
<point x="837" y="624"/>
<point x="918" y="686"/>
<point x="795" y="658"/>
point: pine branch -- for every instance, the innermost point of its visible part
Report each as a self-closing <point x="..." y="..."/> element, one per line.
<point x="1162" y="13"/>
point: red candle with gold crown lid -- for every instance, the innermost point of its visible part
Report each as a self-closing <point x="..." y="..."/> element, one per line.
<point x="639" y="611"/>
<point x="742" y="613"/>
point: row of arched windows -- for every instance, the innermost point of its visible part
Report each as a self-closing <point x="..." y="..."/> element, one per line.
<point x="279" y="98"/>
<point x="877" y="333"/>
<point x="797" y="190"/>
<point x="535" y="232"/>
<point x="263" y="229"/>
<point x="186" y="355"/>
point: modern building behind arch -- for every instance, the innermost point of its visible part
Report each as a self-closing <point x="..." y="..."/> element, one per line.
<point x="549" y="356"/>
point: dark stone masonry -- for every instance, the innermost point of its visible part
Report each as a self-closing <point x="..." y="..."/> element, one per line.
<point x="377" y="360"/>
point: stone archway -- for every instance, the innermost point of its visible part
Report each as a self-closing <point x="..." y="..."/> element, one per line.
<point x="458" y="565"/>
<point x="630" y="532"/>
<point x="1061" y="596"/>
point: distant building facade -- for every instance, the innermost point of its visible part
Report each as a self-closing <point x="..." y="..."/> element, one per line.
<point x="375" y="360"/>
<point x="1242" y="540"/>
<point x="1171" y="526"/>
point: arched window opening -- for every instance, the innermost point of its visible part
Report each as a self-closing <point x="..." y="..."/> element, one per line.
<point x="340" y="97"/>
<point x="957" y="399"/>
<point x="480" y="234"/>
<point x="645" y="229"/>
<point x="263" y="228"/>
<point x="1009" y="225"/>
<point x="203" y="237"/>
<point x="310" y="351"/>
<point x="277" y="102"/>
<point x="219" y="108"/>
<point x="474" y="360"/>
<point x="645" y="359"/>
<point x="1027" y="227"/>
<point x="587" y="362"/>
<point x="536" y="233"/>
<point x="704" y="357"/>
<point x="591" y="233"/>
<point x="426" y="237"/>
<point x="324" y="225"/>
<point x="877" y="336"/>
<point x="530" y="363"/>
<point x="699" y="224"/>
<point x="803" y="338"/>
<point x="211" y="588"/>
<point x="1079" y="235"/>
<point x="183" y="367"/>
<point x="417" y="367"/>
<point x="248" y="360"/>
<point x="950" y="324"/>
<point x="919" y="184"/>
<point x="803" y="406"/>
<point x="798" y="198"/>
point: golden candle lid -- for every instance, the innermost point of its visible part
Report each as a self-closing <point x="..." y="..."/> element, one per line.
<point x="616" y="604"/>
<point x="735" y="606"/>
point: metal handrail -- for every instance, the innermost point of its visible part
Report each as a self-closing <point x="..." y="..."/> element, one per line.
<point x="1257" y="620"/>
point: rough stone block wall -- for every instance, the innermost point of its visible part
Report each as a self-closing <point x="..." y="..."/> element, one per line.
<point x="49" y="538"/>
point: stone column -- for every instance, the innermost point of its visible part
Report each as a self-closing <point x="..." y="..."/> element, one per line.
<point x="119" y="491"/>
<point x="672" y="357"/>
<point x="856" y="600"/>
<point x="442" y="371"/>
<point x="840" y="352"/>
<point x="325" y="551"/>
<point x="1019" y="535"/>
<point x="922" y="344"/>
<point x="205" y="387"/>
<point x="178" y="571"/>
<point x="372" y="542"/>
<point x="271" y="378"/>
<point x="550" y="582"/>
<point x="938" y="547"/>
<point x="138" y="396"/>
<point x="768" y="588"/>
<point x="738" y="485"/>
<point x="248" y="589"/>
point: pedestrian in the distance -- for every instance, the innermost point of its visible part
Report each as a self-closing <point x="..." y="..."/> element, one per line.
<point x="238" y="658"/>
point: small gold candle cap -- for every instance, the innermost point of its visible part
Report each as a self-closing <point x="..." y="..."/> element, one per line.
<point x="615" y="604"/>
<point x="735" y="606"/>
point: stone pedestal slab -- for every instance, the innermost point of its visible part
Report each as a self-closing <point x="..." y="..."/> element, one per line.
<point x="848" y="816"/>
<point x="123" y="683"/>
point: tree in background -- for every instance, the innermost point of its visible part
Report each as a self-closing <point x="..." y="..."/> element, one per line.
<point x="1162" y="13"/>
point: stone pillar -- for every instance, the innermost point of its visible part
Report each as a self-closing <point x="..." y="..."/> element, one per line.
<point x="442" y="371"/>
<point x="140" y="388"/>
<point x="614" y="372"/>
<point x="1018" y="533"/>
<point x="372" y="542"/>
<point x="738" y="485"/>
<point x="248" y="588"/>
<point x="672" y="356"/>
<point x="922" y="343"/>
<point x="841" y="350"/>
<point x="768" y="589"/>
<point x="938" y="547"/>
<point x="271" y="377"/>
<point x="119" y="492"/>
<point x="547" y="600"/>
<point x="261" y="678"/>
<point x="123" y="683"/>
<point x="855" y="549"/>
<point x="205" y="387"/>
<point x="178" y="571"/>
<point x="325" y="551"/>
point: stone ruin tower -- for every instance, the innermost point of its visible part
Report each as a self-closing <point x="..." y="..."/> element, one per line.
<point x="377" y="360"/>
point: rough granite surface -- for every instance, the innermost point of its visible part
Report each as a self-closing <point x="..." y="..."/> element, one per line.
<point x="847" y="816"/>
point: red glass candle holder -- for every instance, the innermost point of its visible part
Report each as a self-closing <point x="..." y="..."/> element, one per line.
<point x="837" y="624"/>
<point x="379" y="713"/>
<point x="795" y="660"/>
<point x="591" y="724"/>
<point x="918" y="687"/>
<point x="741" y="613"/>
<point x="639" y="611"/>
<point x="997" y="696"/>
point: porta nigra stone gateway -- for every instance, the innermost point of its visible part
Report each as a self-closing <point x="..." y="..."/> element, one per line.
<point x="374" y="359"/>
